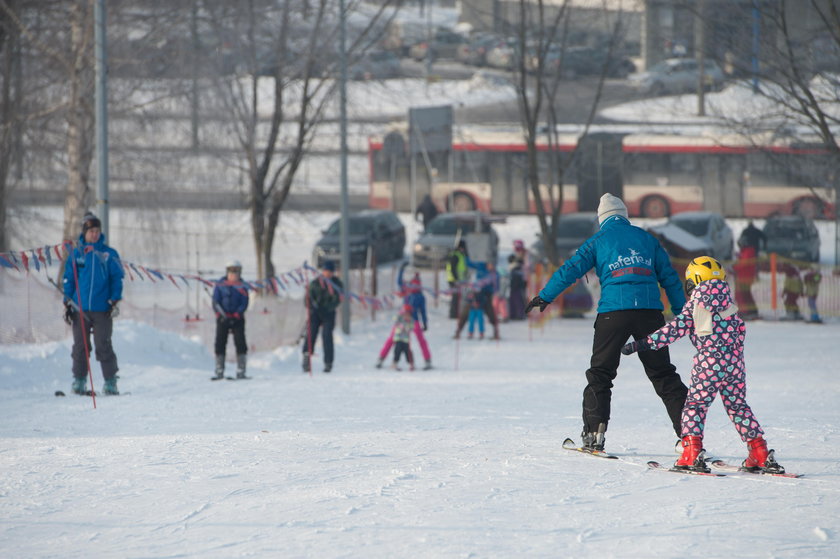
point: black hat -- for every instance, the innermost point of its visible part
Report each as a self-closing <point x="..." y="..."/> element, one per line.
<point x="328" y="265"/>
<point x="89" y="222"/>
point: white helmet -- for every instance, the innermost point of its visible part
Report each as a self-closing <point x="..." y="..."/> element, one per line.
<point x="233" y="264"/>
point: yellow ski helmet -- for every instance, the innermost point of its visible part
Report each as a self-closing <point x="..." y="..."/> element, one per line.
<point x="702" y="268"/>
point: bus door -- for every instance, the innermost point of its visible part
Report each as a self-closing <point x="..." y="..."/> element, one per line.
<point x="599" y="169"/>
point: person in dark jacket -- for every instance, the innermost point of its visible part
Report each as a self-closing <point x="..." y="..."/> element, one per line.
<point x="631" y="265"/>
<point x="517" y="288"/>
<point x="322" y="299"/>
<point x="427" y="210"/>
<point x="753" y="237"/>
<point x="230" y="300"/>
<point x="93" y="283"/>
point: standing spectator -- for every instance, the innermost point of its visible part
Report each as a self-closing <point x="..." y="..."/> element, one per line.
<point x="230" y="300"/>
<point x="753" y="237"/>
<point x="791" y="292"/>
<point x="746" y="273"/>
<point x="456" y="276"/>
<point x="93" y="283"/>
<point x="718" y="333"/>
<point x="518" y="286"/>
<point x="476" y="314"/>
<point x="322" y="299"/>
<point x="487" y="283"/>
<point x="403" y="327"/>
<point x="412" y="296"/>
<point x="520" y="253"/>
<point x="427" y="210"/>
<point x="631" y="265"/>
<point x="812" y="281"/>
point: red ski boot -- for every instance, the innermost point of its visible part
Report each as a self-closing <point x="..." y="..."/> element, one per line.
<point x="693" y="456"/>
<point x="760" y="459"/>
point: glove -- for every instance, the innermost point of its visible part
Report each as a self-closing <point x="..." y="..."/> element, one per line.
<point x="69" y="313"/>
<point x="114" y="310"/>
<point x="536" y="301"/>
<point x="633" y="347"/>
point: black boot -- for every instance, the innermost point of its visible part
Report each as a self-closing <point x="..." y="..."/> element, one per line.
<point x="220" y="367"/>
<point x="241" y="361"/>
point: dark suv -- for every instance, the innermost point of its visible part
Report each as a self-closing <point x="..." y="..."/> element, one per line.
<point x="380" y="230"/>
<point x="793" y="236"/>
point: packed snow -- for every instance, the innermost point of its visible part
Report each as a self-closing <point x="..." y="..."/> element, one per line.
<point x="464" y="460"/>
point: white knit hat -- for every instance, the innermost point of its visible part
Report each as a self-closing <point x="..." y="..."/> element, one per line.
<point x="609" y="206"/>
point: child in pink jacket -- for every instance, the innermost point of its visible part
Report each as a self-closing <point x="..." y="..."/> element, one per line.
<point x="711" y="320"/>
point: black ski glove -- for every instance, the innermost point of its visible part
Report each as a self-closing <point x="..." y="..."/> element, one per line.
<point x="536" y="302"/>
<point x="633" y="347"/>
<point x="69" y="313"/>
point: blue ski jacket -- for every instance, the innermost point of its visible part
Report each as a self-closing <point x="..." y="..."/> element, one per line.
<point x="230" y="298"/>
<point x="100" y="275"/>
<point x="631" y="265"/>
<point x="413" y="295"/>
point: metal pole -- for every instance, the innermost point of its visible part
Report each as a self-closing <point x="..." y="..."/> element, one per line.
<point x="755" y="43"/>
<point x="101" y="101"/>
<point x="345" y="200"/>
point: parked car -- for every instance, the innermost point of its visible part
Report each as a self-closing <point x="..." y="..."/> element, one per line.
<point x="677" y="75"/>
<point x="708" y="234"/>
<point x="375" y="65"/>
<point x="444" y="231"/>
<point x="585" y="61"/>
<point x="380" y="230"/>
<point x="572" y="230"/>
<point x="474" y="51"/>
<point x="503" y="54"/>
<point x="444" y="44"/>
<point x="793" y="236"/>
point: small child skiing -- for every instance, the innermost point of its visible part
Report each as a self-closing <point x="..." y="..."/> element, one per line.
<point x="403" y="326"/>
<point x="812" y="281"/>
<point x="710" y="319"/>
<point x="474" y="298"/>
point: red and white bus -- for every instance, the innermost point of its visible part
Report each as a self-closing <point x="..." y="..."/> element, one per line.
<point x="658" y="173"/>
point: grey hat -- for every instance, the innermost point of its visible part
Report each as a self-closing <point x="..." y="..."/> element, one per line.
<point x="610" y="206"/>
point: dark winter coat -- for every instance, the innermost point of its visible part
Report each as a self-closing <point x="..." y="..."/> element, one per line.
<point x="631" y="265"/>
<point x="100" y="275"/>
<point x="230" y="298"/>
<point x="324" y="295"/>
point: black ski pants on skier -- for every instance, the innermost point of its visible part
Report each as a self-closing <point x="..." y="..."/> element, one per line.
<point x="224" y="326"/>
<point x="612" y="330"/>
<point x="324" y="322"/>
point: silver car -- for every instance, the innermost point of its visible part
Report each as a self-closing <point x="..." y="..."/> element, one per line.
<point x="677" y="75"/>
<point x="443" y="233"/>
<point x="708" y="234"/>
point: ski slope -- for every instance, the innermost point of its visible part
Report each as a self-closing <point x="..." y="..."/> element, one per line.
<point x="461" y="461"/>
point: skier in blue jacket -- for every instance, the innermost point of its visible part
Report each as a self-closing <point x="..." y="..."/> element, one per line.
<point x="230" y="300"/>
<point x="631" y="266"/>
<point x="93" y="282"/>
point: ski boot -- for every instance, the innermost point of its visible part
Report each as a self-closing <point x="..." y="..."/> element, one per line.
<point x="220" y="367"/>
<point x="379" y="363"/>
<point x="693" y="456"/>
<point x="760" y="459"/>
<point x="327" y="367"/>
<point x="307" y="364"/>
<point x="80" y="385"/>
<point x="427" y="366"/>
<point x="241" y="361"/>
<point x="110" y="387"/>
<point x="594" y="441"/>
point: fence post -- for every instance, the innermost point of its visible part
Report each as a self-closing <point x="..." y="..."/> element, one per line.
<point x="773" y="287"/>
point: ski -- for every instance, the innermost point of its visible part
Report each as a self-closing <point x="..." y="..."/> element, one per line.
<point x="653" y="465"/>
<point x="724" y="467"/>
<point x="238" y="378"/>
<point x="569" y="444"/>
<point x="217" y="378"/>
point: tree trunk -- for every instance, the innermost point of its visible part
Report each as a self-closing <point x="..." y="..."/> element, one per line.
<point x="80" y="118"/>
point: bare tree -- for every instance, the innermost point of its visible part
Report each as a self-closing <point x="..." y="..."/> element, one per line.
<point x="541" y="61"/>
<point x="292" y="61"/>
<point x="9" y="108"/>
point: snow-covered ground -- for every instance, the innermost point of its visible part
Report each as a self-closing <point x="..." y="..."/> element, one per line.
<point x="461" y="461"/>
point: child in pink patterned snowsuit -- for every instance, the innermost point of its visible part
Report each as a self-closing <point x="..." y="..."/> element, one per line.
<point x="710" y="319"/>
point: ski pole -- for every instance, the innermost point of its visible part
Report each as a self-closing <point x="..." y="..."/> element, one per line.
<point x="84" y="332"/>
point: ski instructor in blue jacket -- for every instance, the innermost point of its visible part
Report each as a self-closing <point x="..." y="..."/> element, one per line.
<point x="631" y="266"/>
<point x="93" y="281"/>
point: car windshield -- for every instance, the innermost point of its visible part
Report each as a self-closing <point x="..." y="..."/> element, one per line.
<point x="697" y="227"/>
<point x="358" y="226"/>
<point x="575" y="228"/>
<point x="451" y="226"/>
<point x="785" y="229"/>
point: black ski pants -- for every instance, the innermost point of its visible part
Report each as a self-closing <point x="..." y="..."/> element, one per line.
<point x="225" y="326"/>
<point x="612" y="331"/>
<point x="326" y="323"/>
<point x="101" y="325"/>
